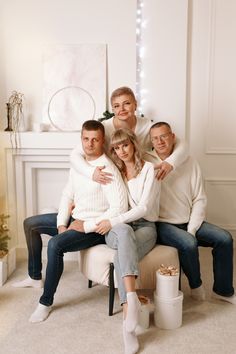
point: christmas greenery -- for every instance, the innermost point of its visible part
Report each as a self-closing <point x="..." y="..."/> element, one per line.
<point x="106" y="115"/>
<point x="3" y="235"/>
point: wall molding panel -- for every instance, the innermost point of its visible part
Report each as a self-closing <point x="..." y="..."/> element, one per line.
<point x="221" y="194"/>
<point x="221" y="86"/>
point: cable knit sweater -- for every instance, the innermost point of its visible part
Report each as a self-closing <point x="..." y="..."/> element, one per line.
<point x="144" y="196"/>
<point x="183" y="199"/>
<point x="93" y="202"/>
<point x="142" y="128"/>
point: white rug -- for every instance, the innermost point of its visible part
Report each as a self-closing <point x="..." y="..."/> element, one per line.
<point x="79" y="322"/>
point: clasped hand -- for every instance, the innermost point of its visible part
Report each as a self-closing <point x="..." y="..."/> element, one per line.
<point x="77" y="225"/>
<point x="103" y="227"/>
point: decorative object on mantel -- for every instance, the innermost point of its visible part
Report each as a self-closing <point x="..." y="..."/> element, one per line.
<point x="9" y="119"/>
<point x="7" y="257"/>
<point x="41" y="127"/>
<point x="15" y="117"/>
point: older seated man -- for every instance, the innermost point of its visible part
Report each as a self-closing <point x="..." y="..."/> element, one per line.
<point x="181" y="222"/>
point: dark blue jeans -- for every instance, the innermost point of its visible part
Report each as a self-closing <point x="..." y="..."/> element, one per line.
<point x="208" y="235"/>
<point x="68" y="241"/>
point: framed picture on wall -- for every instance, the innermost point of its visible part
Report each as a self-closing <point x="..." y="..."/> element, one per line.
<point x="74" y="85"/>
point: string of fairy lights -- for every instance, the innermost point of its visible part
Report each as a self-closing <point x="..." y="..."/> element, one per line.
<point x="140" y="53"/>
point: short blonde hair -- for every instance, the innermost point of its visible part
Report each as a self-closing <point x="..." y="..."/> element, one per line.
<point x="121" y="136"/>
<point x="124" y="90"/>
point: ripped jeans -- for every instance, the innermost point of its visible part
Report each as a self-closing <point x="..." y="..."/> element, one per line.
<point x="132" y="242"/>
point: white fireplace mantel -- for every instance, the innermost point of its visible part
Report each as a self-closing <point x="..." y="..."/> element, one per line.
<point x="65" y="140"/>
<point x="34" y="174"/>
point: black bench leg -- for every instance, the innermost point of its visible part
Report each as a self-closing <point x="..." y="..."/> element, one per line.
<point x="179" y="278"/>
<point x="111" y="289"/>
<point x="90" y="284"/>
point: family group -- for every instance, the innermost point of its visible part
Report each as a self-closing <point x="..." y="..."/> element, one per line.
<point x="131" y="185"/>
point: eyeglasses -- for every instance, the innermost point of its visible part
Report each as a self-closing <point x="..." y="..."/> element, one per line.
<point x="160" y="137"/>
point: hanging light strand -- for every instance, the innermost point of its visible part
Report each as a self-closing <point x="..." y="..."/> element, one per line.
<point x="140" y="52"/>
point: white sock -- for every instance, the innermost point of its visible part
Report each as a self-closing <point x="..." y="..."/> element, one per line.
<point x="133" y="306"/>
<point x="130" y="341"/>
<point x="28" y="283"/>
<point x="231" y="299"/>
<point x="40" y="314"/>
<point x="198" y="293"/>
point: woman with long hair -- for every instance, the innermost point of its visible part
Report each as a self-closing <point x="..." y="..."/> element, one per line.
<point x="132" y="233"/>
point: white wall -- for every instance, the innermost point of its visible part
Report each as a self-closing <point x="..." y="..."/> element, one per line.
<point x="212" y="97"/>
<point x="165" y="61"/>
<point x="28" y="25"/>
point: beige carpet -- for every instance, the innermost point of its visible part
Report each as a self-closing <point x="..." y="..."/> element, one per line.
<point x="79" y="323"/>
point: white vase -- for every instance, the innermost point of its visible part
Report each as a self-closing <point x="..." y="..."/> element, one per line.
<point x="22" y="127"/>
<point x="3" y="269"/>
<point x="7" y="265"/>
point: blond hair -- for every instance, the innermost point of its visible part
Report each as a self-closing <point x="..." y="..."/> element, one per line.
<point x="121" y="136"/>
<point x="124" y="90"/>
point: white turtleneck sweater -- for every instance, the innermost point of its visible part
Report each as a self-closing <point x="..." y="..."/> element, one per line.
<point x="144" y="196"/>
<point x="183" y="199"/>
<point x="93" y="202"/>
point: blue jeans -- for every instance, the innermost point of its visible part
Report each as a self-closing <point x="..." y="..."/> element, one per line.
<point x="132" y="244"/>
<point x="34" y="226"/>
<point x="208" y="235"/>
<point x="68" y="241"/>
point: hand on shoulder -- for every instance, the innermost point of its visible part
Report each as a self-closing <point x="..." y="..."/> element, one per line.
<point x="163" y="169"/>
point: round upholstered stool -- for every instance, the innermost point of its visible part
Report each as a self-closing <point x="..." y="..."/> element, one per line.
<point x="96" y="263"/>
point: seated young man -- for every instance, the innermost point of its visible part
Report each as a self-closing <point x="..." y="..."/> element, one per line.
<point x="93" y="203"/>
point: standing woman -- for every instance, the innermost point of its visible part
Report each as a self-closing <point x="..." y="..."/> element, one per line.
<point x="132" y="233"/>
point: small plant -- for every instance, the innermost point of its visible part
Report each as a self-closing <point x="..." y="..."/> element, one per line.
<point x="3" y="235"/>
<point x="106" y="115"/>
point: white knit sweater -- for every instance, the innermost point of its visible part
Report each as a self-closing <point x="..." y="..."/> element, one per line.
<point x="142" y="128"/>
<point x="144" y="196"/>
<point x="183" y="199"/>
<point x="142" y="132"/>
<point x="93" y="202"/>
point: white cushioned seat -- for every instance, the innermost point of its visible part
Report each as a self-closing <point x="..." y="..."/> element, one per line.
<point x="95" y="264"/>
<point x="151" y="262"/>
